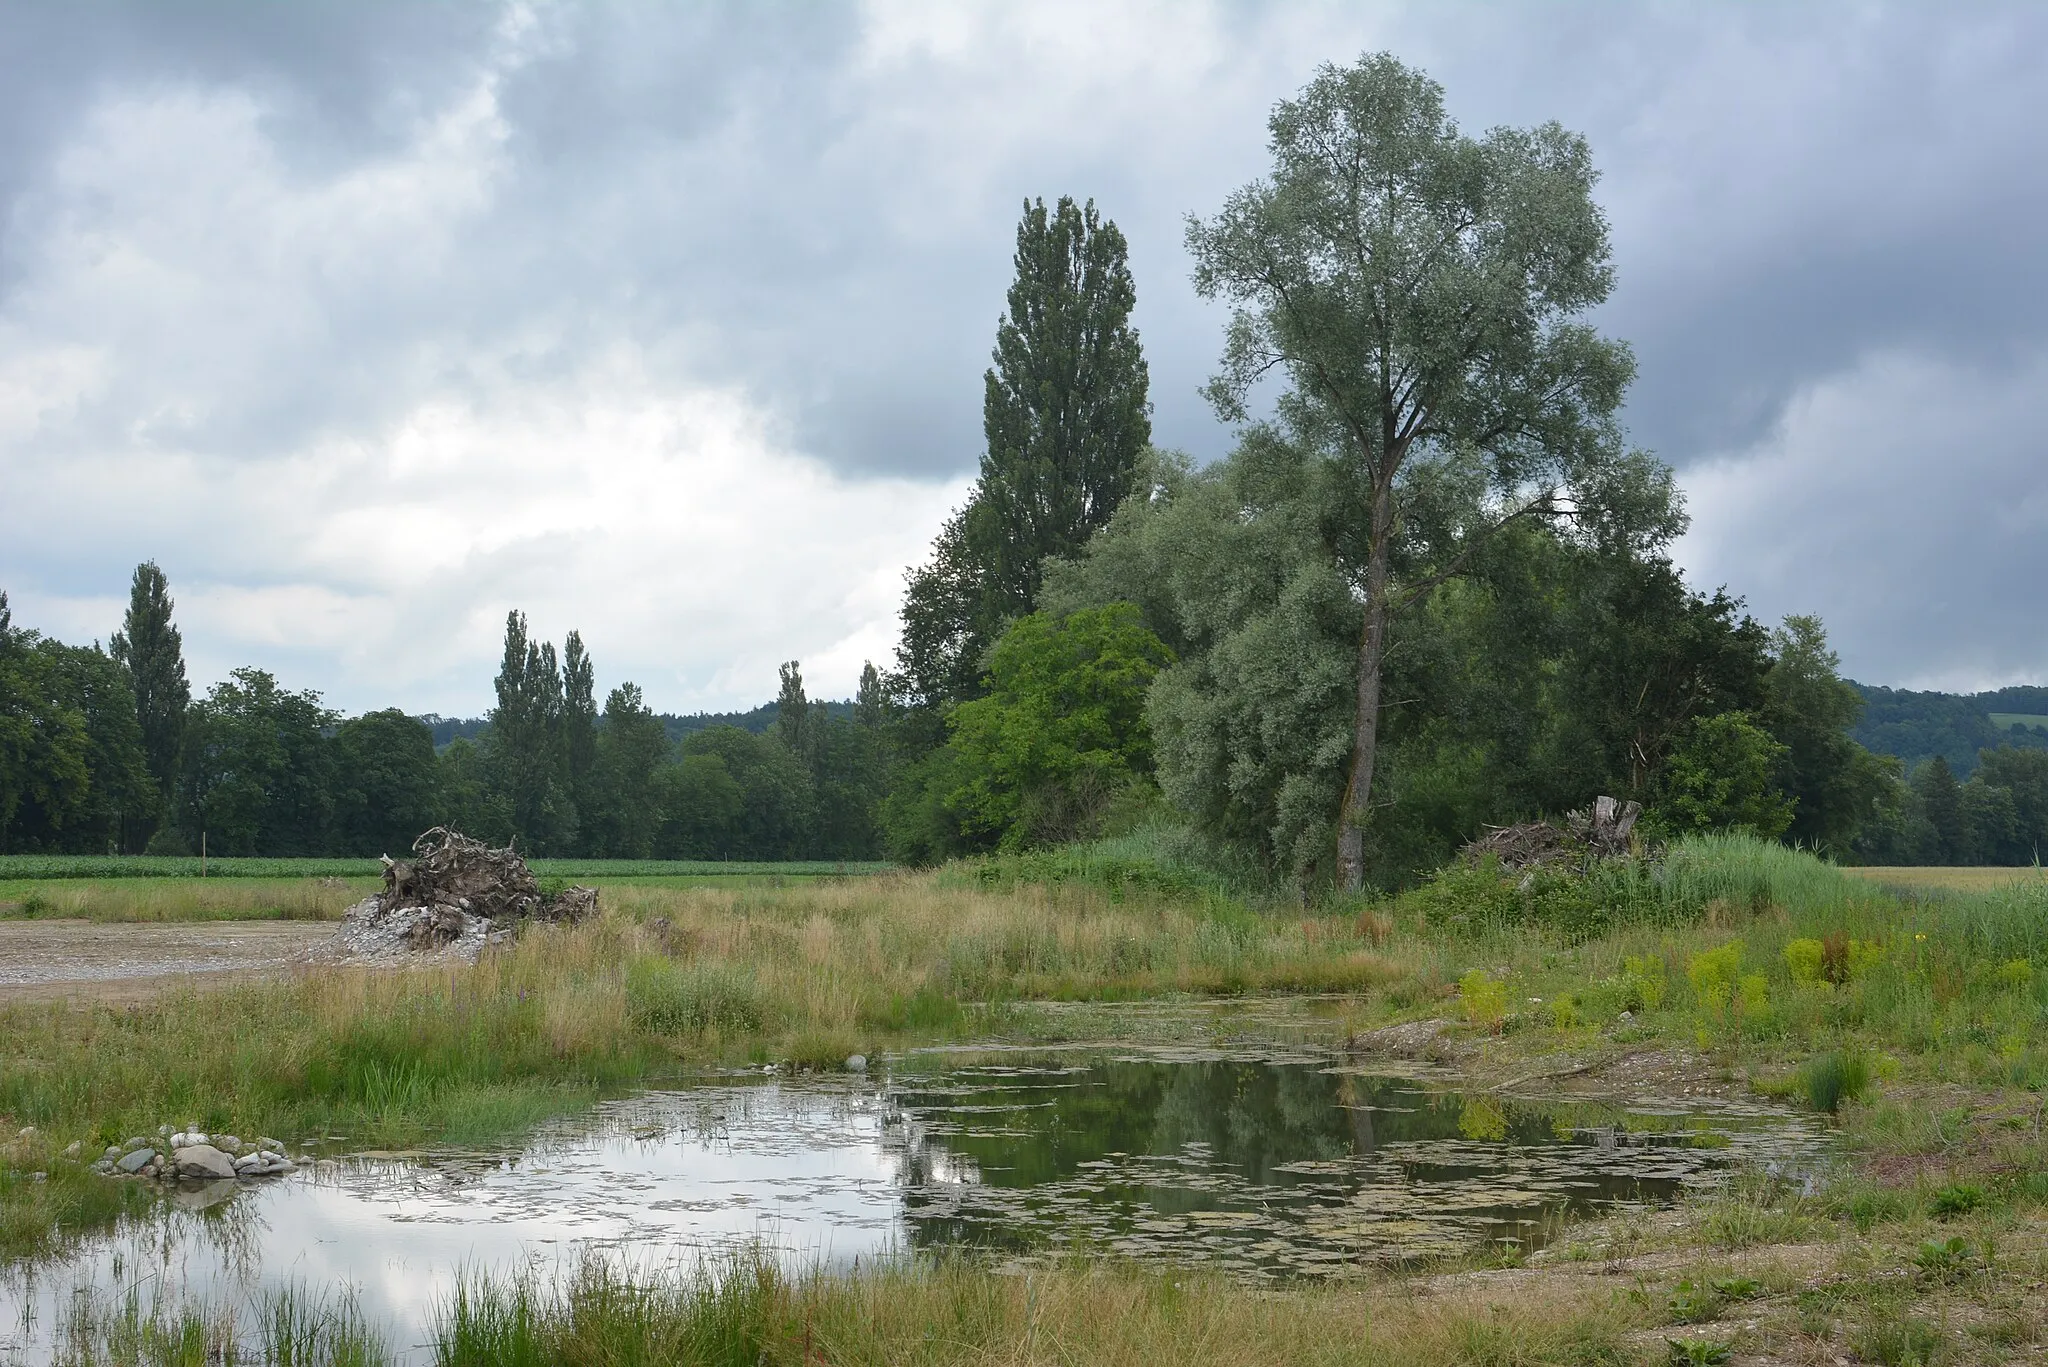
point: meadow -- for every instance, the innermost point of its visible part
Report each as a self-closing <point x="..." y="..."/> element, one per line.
<point x="1915" y="1017"/>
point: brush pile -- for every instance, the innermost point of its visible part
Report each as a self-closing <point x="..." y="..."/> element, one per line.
<point x="453" y="898"/>
<point x="1606" y="830"/>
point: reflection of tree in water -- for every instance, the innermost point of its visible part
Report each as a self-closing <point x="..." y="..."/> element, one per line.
<point x="1011" y="1157"/>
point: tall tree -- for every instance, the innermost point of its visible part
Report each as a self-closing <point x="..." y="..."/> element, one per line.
<point x="793" y="712"/>
<point x="527" y="762"/>
<point x="1065" y="416"/>
<point x="631" y="749"/>
<point x="1419" y="289"/>
<point x="579" y="726"/>
<point x="387" y="783"/>
<point x="153" y="650"/>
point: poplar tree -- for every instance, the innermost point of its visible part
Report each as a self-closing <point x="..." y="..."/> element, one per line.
<point x="152" y="649"/>
<point x="579" y="726"/>
<point x="527" y="761"/>
<point x="1065" y="417"/>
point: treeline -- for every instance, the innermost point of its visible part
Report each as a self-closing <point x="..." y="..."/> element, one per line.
<point x="107" y="751"/>
<point x="1918" y="726"/>
<point x="1428" y="592"/>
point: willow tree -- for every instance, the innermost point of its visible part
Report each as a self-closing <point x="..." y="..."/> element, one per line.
<point x="1420" y="291"/>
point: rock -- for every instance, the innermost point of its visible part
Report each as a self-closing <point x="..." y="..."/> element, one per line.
<point x="226" y="1143"/>
<point x="1624" y="1018"/>
<point x="27" y="1132"/>
<point x="203" y="1161"/>
<point x="112" y="1152"/>
<point x="856" y="1063"/>
<point x="189" y="1139"/>
<point x="138" y="1141"/>
<point x="105" y="1167"/>
<point x="74" y="1148"/>
<point x="136" y="1160"/>
<point x="1414" y="1040"/>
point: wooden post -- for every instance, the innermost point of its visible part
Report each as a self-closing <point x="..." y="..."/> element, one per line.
<point x="202" y="854"/>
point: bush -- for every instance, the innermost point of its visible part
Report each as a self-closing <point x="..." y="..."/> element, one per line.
<point x="1484" y="999"/>
<point x="1830" y="1079"/>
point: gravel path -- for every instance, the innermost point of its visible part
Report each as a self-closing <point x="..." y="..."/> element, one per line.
<point x="47" y="959"/>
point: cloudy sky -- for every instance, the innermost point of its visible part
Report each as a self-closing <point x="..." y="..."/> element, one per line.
<point x="369" y="322"/>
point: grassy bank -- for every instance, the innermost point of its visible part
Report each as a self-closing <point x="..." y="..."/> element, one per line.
<point x="52" y="867"/>
<point x="1920" y="1019"/>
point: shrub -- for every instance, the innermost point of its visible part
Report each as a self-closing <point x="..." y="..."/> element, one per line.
<point x="1484" y="999"/>
<point x="1714" y="974"/>
<point x="1832" y="1078"/>
<point x="1958" y="1198"/>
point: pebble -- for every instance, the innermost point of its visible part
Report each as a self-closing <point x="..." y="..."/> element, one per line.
<point x="856" y="1063"/>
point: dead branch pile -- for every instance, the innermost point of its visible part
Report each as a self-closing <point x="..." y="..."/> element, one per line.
<point x="452" y="898"/>
<point x="1603" y="831"/>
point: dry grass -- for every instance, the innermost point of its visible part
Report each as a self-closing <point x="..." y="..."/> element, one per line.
<point x="1955" y="879"/>
<point x="184" y="899"/>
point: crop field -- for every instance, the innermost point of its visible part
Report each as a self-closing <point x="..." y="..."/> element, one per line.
<point x="47" y="867"/>
<point x="1959" y="878"/>
<point x="2008" y="720"/>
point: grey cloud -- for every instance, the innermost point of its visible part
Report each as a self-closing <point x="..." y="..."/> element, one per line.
<point x="764" y="198"/>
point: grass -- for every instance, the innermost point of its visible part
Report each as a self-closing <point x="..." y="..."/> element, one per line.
<point x="1918" y="1018"/>
<point x="46" y="867"/>
<point x="184" y="899"/>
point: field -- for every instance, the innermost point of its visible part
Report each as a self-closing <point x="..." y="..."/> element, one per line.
<point x="1959" y="878"/>
<point x="2008" y="720"/>
<point x="1917" y="1016"/>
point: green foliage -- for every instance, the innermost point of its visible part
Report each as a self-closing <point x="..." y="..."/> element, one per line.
<point x="151" y="649"/>
<point x="1062" y="730"/>
<point x="385" y="789"/>
<point x="1687" y="1352"/>
<point x="258" y="772"/>
<point x="1723" y="775"/>
<point x="1483" y="998"/>
<point x="1957" y="1198"/>
<point x="1837" y="1076"/>
<point x="715" y="1316"/>
<point x="686" y="999"/>
<point x="1715" y="974"/>
<point x="1066" y="418"/>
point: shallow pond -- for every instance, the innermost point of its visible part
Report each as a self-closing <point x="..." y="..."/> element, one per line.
<point x="1268" y="1165"/>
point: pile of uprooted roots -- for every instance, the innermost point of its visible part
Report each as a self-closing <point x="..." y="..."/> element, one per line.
<point x="454" y="897"/>
<point x="1606" y="830"/>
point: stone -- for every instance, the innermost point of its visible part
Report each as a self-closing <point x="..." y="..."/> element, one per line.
<point x="856" y="1063"/>
<point x="264" y="1141"/>
<point x="27" y="1132"/>
<point x="203" y="1161"/>
<point x="112" y="1152"/>
<point x="136" y="1160"/>
<point x="226" y="1143"/>
<point x="74" y="1148"/>
<point x="1625" y="1017"/>
<point x="138" y="1142"/>
<point x="105" y="1167"/>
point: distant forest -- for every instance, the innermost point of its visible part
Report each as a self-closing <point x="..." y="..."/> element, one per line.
<point x="1917" y="726"/>
<point x="447" y="730"/>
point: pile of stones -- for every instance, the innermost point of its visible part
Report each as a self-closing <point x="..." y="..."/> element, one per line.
<point x="193" y="1156"/>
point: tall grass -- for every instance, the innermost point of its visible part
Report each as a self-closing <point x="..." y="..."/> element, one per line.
<point x="944" y="1312"/>
<point x="185" y="899"/>
<point x="291" y="1326"/>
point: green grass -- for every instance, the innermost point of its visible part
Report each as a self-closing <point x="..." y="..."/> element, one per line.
<point x="2008" y="720"/>
<point x="44" y="867"/>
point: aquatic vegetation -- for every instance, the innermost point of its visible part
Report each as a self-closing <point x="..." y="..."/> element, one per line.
<point x="1835" y="1077"/>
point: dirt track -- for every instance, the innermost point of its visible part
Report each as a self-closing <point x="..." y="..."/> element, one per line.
<point x="44" y="960"/>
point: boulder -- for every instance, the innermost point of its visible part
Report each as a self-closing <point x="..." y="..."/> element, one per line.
<point x="203" y="1161"/>
<point x="135" y="1160"/>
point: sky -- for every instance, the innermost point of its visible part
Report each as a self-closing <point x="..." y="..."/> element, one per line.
<point x="666" y="323"/>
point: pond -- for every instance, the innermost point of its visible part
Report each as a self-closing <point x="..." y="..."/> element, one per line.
<point x="1268" y="1165"/>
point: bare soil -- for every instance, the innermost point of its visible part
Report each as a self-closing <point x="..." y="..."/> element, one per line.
<point x="46" y="960"/>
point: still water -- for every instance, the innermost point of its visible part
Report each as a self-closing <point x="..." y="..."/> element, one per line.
<point x="1267" y="1165"/>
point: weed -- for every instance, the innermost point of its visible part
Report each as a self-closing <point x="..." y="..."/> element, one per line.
<point x="1834" y="1077"/>
<point x="1696" y="1352"/>
<point x="1484" y="999"/>
<point x="1958" y="1198"/>
<point x="1692" y="1303"/>
<point x="1945" y="1259"/>
<point x="1898" y="1342"/>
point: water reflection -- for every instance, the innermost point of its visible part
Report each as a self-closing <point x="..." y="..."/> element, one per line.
<point x="1290" y="1168"/>
<point x="1268" y="1165"/>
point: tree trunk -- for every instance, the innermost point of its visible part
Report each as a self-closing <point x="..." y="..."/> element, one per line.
<point x="1372" y="654"/>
